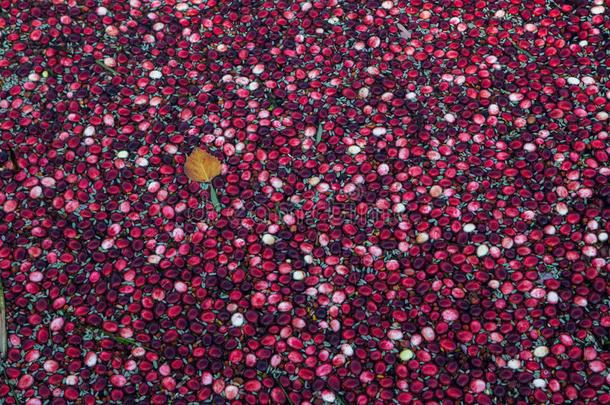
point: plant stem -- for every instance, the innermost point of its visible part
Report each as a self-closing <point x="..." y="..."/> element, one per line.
<point x="532" y="59"/>
<point x="102" y="64"/>
<point x="3" y="332"/>
<point x="285" y="394"/>
<point x="272" y="376"/>
<point x="13" y="159"/>
<point x="8" y="382"/>
<point x="120" y="339"/>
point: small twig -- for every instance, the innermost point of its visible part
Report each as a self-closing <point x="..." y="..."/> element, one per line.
<point x="102" y="64"/>
<point x="521" y="49"/>
<point x="8" y="382"/>
<point x="286" y="394"/>
<point x="13" y="158"/>
<point x="120" y="339"/>
<point x="3" y="332"/>
<point x="173" y="396"/>
<point x="272" y="376"/>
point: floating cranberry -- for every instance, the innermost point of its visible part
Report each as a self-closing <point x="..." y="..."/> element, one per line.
<point x="413" y="202"/>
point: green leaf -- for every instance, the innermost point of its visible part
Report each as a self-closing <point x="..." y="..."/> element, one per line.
<point x="214" y="198"/>
<point x="319" y="134"/>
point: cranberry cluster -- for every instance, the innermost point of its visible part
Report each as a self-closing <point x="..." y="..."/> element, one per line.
<point x="413" y="204"/>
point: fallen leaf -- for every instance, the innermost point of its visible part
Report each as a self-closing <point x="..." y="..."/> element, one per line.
<point x="201" y="166"/>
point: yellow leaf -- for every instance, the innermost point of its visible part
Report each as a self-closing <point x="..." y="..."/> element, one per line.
<point x="201" y="166"/>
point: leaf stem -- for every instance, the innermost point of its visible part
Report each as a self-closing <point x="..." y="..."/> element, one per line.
<point x="102" y="64"/>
